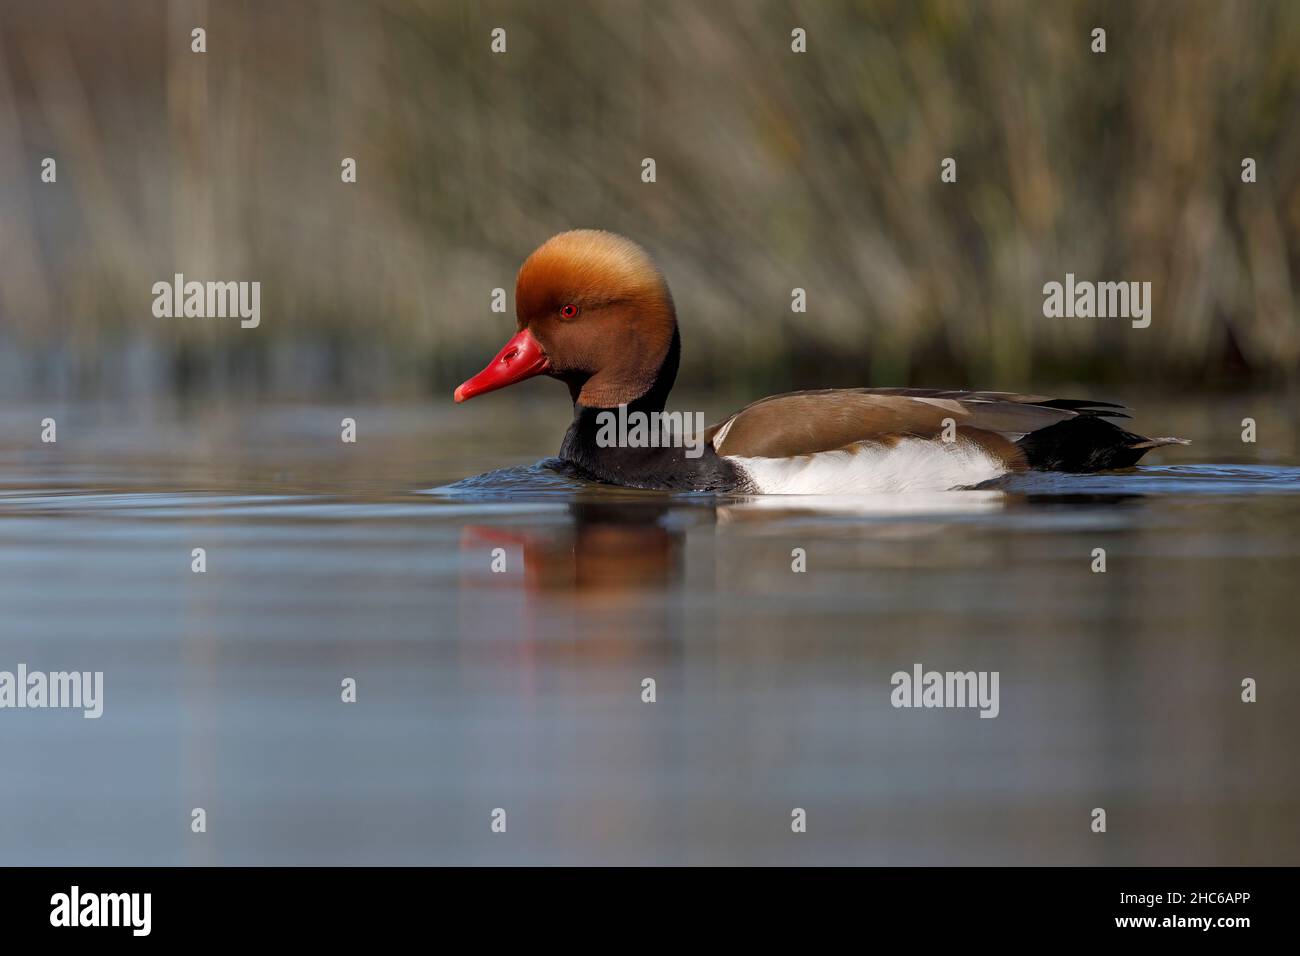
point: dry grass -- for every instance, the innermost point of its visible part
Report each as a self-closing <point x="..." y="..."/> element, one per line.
<point x="775" y="170"/>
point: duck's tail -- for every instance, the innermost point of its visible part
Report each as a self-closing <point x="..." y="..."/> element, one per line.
<point x="1087" y="443"/>
<point x="1146" y="443"/>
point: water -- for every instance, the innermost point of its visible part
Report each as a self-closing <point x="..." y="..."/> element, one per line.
<point x="522" y="690"/>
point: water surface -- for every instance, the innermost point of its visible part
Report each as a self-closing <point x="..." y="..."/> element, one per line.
<point x="522" y="689"/>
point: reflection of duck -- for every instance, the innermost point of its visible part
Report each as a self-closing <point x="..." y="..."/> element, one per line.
<point x="595" y="312"/>
<point x="610" y="548"/>
<point x="934" y="504"/>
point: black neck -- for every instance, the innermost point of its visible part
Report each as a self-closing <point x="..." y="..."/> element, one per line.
<point x="667" y="468"/>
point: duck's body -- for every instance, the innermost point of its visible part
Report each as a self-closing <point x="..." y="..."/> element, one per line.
<point x="594" y="312"/>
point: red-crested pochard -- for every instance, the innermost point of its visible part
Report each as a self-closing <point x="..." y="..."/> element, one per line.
<point x="595" y="312"/>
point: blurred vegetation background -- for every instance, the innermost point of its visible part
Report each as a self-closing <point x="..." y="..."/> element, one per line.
<point x="775" y="170"/>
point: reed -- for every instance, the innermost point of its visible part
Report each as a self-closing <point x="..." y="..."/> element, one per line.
<point x="775" y="170"/>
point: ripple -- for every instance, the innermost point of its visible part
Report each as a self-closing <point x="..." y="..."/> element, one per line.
<point x="549" y="477"/>
<point x="552" y="478"/>
<point x="1162" y="480"/>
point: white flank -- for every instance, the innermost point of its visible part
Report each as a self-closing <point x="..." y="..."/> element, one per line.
<point x="914" y="464"/>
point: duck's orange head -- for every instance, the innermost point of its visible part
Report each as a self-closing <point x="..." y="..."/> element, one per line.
<point x="593" y="311"/>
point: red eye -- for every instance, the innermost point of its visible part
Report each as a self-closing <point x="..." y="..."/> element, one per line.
<point x="569" y="312"/>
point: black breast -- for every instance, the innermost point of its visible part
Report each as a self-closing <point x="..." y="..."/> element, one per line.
<point x="665" y="468"/>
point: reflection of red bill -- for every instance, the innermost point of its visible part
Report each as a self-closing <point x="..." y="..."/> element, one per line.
<point x="478" y="539"/>
<point x="521" y="358"/>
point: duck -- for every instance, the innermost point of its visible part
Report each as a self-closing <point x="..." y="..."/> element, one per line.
<point x="594" y="311"/>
